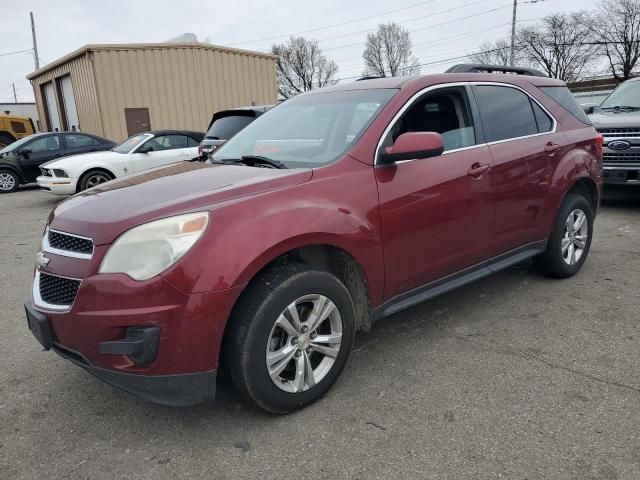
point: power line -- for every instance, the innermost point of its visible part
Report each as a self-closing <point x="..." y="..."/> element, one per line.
<point x="333" y="25"/>
<point x="433" y="14"/>
<point x="17" y="51"/>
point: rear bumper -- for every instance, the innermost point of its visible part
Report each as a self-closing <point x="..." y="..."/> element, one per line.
<point x="178" y="390"/>
<point x="59" y="186"/>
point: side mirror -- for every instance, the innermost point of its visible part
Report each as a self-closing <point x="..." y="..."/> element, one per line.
<point x="588" y="108"/>
<point x="413" y="145"/>
<point x="25" y="152"/>
<point x="145" y="149"/>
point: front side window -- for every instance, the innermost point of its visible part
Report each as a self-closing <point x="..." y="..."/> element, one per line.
<point x="131" y="143"/>
<point x="309" y="130"/>
<point x="78" y="141"/>
<point x="506" y="112"/>
<point x="44" y="144"/>
<point x="443" y="111"/>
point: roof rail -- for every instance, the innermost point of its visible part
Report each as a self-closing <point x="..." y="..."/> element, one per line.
<point x="481" y="68"/>
<point x="368" y="77"/>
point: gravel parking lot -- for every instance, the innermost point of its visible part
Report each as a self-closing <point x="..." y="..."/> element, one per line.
<point x="516" y="377"/>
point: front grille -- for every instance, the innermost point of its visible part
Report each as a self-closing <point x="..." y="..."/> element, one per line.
<point x="58" y="290"/>
<point x="620" y="132"/>
<point x="46" y="172"/>
<point x="621" y="157"/>
<point x="70" y="243"/>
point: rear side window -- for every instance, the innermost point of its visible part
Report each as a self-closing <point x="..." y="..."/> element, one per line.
<point x="563" y="96"/>
<point x="226" y="127"/>
<point x="18" y="127"/>
<point x="78" y="141"/>
<point x="506" y="112"/>
<point x="544" y="121"/>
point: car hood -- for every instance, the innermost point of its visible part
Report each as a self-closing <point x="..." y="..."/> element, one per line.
<point x="79" y="159"/>
<point x="612" y="119"/>
<point x="106" y="211"/>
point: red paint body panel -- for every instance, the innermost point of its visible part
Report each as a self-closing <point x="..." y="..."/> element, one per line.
<point x="405" y="224"/>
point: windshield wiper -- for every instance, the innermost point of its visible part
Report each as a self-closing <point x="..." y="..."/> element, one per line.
<point x="260" y="159"/>
<point x="620" y="107"/>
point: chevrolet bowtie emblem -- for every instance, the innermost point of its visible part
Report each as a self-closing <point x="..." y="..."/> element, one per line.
<point x="41" y="260"/>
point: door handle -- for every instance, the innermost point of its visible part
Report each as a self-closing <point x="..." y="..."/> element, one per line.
<point x="551" y="147"/>
<point x="477" y="170"/>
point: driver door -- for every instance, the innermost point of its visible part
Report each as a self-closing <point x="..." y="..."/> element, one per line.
<point x="437" y="213"/>
<point x="41" y="150"/>
<point x="167" y="149"/>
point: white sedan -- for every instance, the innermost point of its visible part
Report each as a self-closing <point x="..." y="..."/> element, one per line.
<point x="69" y="175"/>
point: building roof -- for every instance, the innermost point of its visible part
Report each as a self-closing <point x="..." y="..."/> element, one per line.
<point x="144" y="46"/>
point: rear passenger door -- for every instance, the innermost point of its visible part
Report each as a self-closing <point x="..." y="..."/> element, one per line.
<point x="524" y="143"/>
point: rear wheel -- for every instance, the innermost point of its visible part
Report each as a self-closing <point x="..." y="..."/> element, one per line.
<point x="9" y="181"/>
<point x="570" y="239"/>
<point x="93" y="178"/>
<point x="290" y="337"/>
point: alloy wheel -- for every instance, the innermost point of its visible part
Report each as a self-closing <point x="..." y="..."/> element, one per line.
<point x="96" y="179"/>
<point x="7" y="182"/>
<point x="304" y="343"/>
<point x="574" y="238"/>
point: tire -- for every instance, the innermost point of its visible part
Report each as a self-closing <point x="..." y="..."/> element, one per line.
<point x="6" y="139"/>
<point x="282" y="370"/>
<point x="567" y="248"/>
<point x="93" y="178"/>
<point x="9" y="181"/>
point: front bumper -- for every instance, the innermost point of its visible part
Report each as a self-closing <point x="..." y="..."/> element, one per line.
<point x="616" y="174"/>
<point x="182" y="368"/>
<point x="58" y="186"/>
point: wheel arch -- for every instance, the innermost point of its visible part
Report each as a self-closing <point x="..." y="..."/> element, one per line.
<point x="5" y="166"/>
<point x="97" y="168"/>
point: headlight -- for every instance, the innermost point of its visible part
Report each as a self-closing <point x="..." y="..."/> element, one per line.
<point x="60" y="173"/>
<point x="147" y="250"/>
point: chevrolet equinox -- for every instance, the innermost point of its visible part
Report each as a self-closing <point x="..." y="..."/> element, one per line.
<point x="332" y="210"/>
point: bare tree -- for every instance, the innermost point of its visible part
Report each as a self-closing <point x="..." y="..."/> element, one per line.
<point x="561" y="44"/>
<point x="388" y="52"/>
<point x="618" y="32"/>
<point x="496" y="53"/>
<point x="301" y="66"/>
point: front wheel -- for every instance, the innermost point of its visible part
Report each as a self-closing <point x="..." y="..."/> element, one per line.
<point x="289" y="338"/>
<point x="93" y="178"/>
<point x="9" y="181"/>
<point x="570" y="239"/>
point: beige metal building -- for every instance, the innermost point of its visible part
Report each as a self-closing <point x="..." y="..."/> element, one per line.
<point x="118" y="90"/>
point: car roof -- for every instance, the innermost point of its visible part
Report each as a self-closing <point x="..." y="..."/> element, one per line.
<point x="413" y="81"/>
<point x="188" y="133"/>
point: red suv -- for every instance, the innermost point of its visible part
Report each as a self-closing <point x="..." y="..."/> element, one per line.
<point x="334" y="209"/>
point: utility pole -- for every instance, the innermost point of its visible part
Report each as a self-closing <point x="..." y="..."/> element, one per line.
<point x="36" y="60"/>
<point x="513" y="34"/>
<point x="15" y="97"/>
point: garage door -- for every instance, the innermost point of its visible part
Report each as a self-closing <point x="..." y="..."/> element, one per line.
<point x="69" y="103"/>
<point x="52" y="108"/>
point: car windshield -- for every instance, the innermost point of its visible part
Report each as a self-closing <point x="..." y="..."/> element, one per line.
<point x="626" y="96"/>
<point x="226" y="127"/>
<point x="16" y="145"/>
<point x="131" y="143"/>
<point x="308" y="130"/>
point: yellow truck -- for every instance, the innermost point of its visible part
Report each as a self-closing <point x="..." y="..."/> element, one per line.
<point x="13" y="127"/>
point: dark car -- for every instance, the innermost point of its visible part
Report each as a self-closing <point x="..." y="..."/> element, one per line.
<point x="334" y="209"/>
<point x="20" y="162"/>
<point x="226" y="123"/>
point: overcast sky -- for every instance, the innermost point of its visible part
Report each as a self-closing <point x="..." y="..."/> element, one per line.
<point x="440" y="29"/>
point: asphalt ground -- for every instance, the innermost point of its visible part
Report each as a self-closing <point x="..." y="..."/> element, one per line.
<point x="516" y="377"/>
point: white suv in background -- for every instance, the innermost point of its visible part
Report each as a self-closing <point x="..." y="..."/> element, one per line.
<point x="143" y="151"/>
